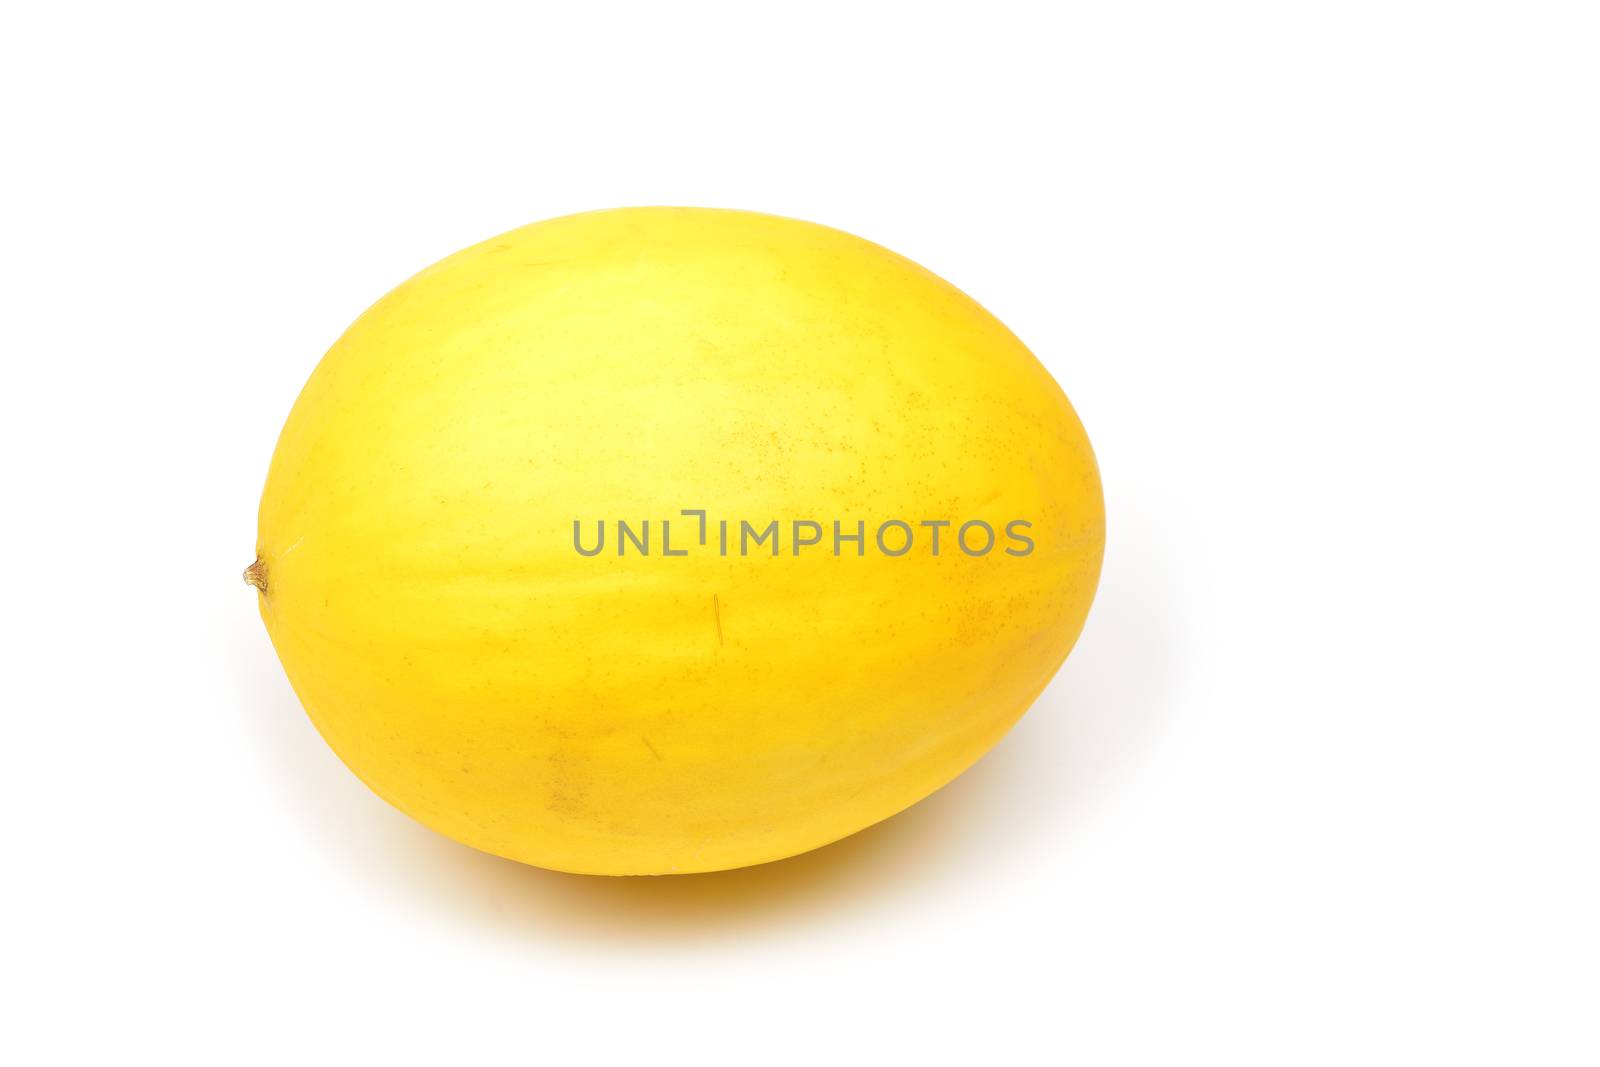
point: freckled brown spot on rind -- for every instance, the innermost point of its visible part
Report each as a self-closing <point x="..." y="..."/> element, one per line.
<point x="256" y="574"/>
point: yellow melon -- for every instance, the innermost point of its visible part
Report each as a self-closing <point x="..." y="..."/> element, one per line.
<point x="670" y="540"/>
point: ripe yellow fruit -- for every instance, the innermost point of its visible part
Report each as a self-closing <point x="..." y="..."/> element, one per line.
<point x="851" y="529"/>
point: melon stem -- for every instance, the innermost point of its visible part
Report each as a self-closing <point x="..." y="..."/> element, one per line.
<point x="256" y="574"/>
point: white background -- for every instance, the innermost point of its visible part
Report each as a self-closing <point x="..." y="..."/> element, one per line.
<point x="1317" y="786"/>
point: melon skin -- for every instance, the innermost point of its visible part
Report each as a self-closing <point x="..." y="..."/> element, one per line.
<point x="644" y="713"/>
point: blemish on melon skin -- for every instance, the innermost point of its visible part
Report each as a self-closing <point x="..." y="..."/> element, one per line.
<point x="651" y="747"/>
<point x="716" y="616"/>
